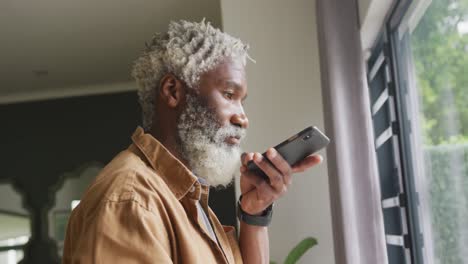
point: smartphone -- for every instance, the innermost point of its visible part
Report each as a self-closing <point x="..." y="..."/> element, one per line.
<point x="296" y="148"/>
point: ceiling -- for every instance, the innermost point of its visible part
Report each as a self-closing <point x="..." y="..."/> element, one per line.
<point x="59" y="48"/>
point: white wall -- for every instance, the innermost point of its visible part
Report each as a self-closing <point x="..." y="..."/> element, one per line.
<point x="364" y="9"/>
<point x="12" y="226"/>
<point x="284" y="97"/>
<point x="10" y="200"/>
<point x="372" y="14"/>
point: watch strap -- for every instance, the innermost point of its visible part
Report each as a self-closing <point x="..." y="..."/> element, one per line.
<point x="257" y="220"/>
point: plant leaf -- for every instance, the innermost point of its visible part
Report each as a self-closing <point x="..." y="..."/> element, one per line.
<point x="300" y="249"/>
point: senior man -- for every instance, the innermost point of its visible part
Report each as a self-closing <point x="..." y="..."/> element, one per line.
<point x="150" y="203"/>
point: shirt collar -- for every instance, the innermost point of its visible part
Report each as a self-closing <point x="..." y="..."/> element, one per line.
<point x="203" y="181"/>
<point x="176" y="175"/>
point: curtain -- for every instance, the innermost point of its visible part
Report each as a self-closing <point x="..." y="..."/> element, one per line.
<point x="354" y="185"/>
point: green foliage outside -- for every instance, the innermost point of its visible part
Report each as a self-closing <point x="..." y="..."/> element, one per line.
<point x="441" y="60"/>
<point x="447" y="172"/>
<point x="440" y="55"/>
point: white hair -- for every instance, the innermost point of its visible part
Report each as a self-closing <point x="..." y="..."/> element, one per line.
<point x="187" y="50"/>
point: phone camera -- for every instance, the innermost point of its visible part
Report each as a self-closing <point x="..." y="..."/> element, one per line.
<point x="306" y="137"/>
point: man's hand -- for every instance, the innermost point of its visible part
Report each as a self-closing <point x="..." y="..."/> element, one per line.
<point x="257" y="193"/>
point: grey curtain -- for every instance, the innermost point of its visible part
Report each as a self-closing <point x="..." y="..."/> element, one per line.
<point x="354" y="187"/>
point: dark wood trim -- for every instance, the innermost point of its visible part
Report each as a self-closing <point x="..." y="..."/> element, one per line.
<point x="2" y="211"/>
<point x="16" y="247"/>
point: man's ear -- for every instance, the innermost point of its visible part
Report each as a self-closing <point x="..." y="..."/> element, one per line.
<point x="172" y="90"/>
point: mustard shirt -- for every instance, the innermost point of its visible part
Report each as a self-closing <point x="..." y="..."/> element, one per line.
<point x="142" y="208"/>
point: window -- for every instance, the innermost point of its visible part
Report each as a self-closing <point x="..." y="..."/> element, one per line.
<point x="11" y="249"/>
<point x="418" y="81"/>
<point x="15" y="225"/>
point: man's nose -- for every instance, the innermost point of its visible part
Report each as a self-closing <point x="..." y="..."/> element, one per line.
<point x="240" y="120"/>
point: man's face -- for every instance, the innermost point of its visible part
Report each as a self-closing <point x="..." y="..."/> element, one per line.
<point x="213" y="123"/>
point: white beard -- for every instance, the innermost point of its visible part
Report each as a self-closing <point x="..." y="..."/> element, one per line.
<point x="202" y="143"/>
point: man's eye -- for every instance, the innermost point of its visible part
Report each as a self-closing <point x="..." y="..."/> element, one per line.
<point x="229" y="95"/>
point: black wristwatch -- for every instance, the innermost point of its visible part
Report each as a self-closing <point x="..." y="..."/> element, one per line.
<point x="258" y="220"/>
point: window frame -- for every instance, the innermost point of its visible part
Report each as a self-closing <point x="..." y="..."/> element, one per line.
<point x="401" y="93"/>
<point x="387" y="43"/>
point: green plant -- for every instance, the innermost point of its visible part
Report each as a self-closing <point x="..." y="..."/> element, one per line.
<point x="299" y="250"/>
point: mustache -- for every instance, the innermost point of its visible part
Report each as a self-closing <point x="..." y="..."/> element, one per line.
<point x="231" y="131"/>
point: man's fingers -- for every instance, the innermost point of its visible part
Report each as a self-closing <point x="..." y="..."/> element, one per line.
<point x="246" y="157"/>
<point x="265" y="191"/>
<point x="281" y="164"/>
<point x="278" y="161"/>
<point x="306" y="163"/>
<point x="275" y="176"/>
<point x="252" y="178"/>
<point x="267" y="194"/>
